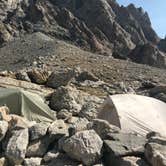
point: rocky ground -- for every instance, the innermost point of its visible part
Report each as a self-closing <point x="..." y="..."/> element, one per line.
<point x="76" y="137"/>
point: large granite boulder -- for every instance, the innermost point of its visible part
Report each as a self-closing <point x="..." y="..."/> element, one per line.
<point x="84" y="146"/>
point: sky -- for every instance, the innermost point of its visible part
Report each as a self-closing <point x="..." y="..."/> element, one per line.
<point x="156" y="10"/>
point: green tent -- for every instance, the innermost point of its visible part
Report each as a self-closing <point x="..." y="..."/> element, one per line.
<point x="26" y="104"/>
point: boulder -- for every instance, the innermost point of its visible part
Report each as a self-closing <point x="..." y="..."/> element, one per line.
<point x="66" y="98"/>
<point x="155" y="154"/>
<point x="64" y="114"/>
<point x="121" y="145"/>
<point x="60" y="78"/>
<point x="62" y="159"/>
<point x="38" y="130"/>
<point x="3" y="129"/>
<point x="77" y="124"/>
<point x="22" y="75"/>
<point x="84" y="146"/>
<point x="155" y="150"/>
<point x="148" y="54"/>
<point x="17" y="145"/>
<point x="89" y="110"/>
<point x="86" y="75"/>
<point x="50" y="155"/>
<point x="33" y="161"/>
<point x="58" y="129"/>
<point x="4" y="114"/>
<point x="3" y="161"/>
<point x="38" y="148"/>
<point x="162" y="45"/>
<point x="38" y="76"/>
<point x="103" y="128"/>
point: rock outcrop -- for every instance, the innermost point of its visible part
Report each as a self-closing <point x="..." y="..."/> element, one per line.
<point x="117" y="28"/>
<point x="148" y="54"/>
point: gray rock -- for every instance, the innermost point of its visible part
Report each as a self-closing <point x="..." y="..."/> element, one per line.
<point x="33" y="161"/>
<point x="38" y="130"/>
<point x="155" y="154"/>
<point x="89" y="110"/>
<point x="64" y="114"/>
<point x="16" y="147"/>
<point x="38" y="76"/>
<point x="38" y="148"/>
<point x="84" y="146"/>
<point x="62" y="160"/>
<point x="132" y="161"/>
<point x="161" y="96"/>
<point x="86" y="75"/>
<point x="60" y="78"/>
<point x="22" y="75"/>
<point x="66" y="98"/>
<point x="121" y="144"/>
<point x="77" y="124"/>
<point x="103" y="128"/>
<point x="148" y="54"/>
<point x="3" y="129"/>
<point x="58" y="129"/>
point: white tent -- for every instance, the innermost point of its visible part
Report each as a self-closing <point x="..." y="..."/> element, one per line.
<point x="135" y="113"/>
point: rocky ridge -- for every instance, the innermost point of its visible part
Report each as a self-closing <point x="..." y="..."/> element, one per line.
<point x="100" y="26"/>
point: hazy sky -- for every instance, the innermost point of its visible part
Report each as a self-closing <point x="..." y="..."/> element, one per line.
<point x="156" y="10"/>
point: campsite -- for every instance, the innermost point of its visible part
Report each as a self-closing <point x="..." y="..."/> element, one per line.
<point x="82" y="83"/>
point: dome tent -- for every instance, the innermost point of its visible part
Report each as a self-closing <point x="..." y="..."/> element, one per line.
<point x="26" y="104"/>
<point x="135" y="113"/>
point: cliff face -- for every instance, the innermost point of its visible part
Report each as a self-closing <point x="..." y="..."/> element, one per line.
<point x="97" y="25"/>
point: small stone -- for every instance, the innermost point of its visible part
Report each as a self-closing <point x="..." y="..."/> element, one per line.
<point x="3" y="161"/>
<point x="33" y="161"/>
<point x="132" y="161"/>
<point x="58" y="129"/>
<point x="50" y="155"/>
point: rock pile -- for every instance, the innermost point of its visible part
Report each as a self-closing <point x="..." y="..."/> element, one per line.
<point x="60" y="143"/>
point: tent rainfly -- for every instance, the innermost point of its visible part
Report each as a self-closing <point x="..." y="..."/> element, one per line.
<point x="135" y="113"/>
<point x="26" y="104"/>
